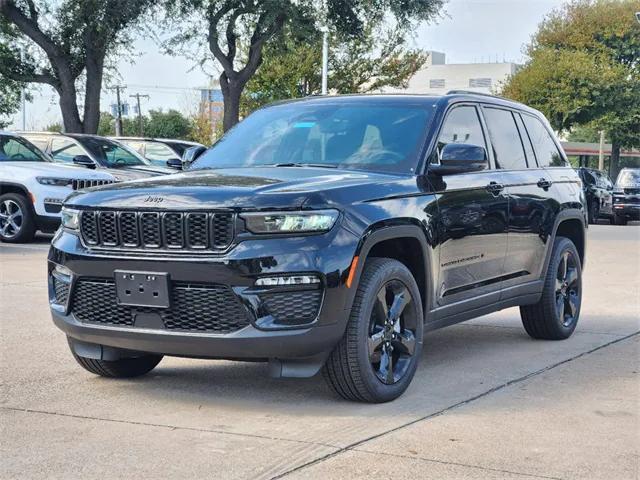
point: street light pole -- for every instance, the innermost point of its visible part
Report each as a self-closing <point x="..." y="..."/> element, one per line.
<point x="118" y="113"/>
<point x="325" y="59"/>
<point x="23" y="95"/>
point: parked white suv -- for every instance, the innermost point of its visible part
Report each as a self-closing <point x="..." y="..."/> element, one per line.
<point x="32" y="188"/>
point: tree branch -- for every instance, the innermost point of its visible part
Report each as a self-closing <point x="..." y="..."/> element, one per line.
<point x="214" y="18"/>
<point x="30" y="27"/>
<point x="258" y="40"/>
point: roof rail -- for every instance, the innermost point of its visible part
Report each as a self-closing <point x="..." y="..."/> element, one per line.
<point x="469" y="92"/>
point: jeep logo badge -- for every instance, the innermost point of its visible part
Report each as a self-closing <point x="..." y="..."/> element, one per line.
<point x="152" y="199"/>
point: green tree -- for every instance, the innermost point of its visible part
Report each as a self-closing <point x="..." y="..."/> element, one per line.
<point x="584" y="69"/>
<point x="378" y="58"/>
<point x="70" y="43"/>
<point x="10" y="95"/>
<point x="170" y="124"/>
<point x="237" y="31"/>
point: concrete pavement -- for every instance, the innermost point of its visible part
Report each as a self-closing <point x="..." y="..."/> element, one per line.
<point x="486" y="402"/>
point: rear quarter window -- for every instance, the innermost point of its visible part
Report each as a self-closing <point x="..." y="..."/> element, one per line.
<point x="544" y="146"/>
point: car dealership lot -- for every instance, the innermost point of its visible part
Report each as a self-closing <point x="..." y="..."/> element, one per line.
<point x="487" y="401"/>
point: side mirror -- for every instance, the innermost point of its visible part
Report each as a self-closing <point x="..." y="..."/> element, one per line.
<point x="84" y="161"/>
<point x="191" y="154"/>
<point x="460" y="158"/>
<point x="174" y="163"/>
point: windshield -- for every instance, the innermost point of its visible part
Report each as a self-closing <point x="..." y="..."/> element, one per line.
<point x="629" y="177"/>
<point x="14" y="149"/>
<point x="364" y="136"/>
<point x="111" y="154"/>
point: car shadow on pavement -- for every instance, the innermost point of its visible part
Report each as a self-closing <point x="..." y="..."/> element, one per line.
<point x="457" y="363"/>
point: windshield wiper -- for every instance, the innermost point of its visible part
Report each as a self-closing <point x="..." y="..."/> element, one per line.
<point x="292" y="164"/>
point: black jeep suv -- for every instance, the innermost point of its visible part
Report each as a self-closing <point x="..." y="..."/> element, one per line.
<point x="330" y="232"/>
<point x="626" y="196"/>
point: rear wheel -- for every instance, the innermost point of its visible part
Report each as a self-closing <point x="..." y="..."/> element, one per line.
<point x="378" y="355"/>
<point x="556" y="315"/>
<point x="123" y="368"/>
<point x="17" y="220"/>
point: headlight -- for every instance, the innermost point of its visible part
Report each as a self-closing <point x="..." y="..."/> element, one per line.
<point x="70" y="218"/>
<point x="290" y="222"/>
<point x="56" y="182"/>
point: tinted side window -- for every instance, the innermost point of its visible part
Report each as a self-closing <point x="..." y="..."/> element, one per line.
<point x="64" y="149"/>
<point x="546" y="149"/>
<point x="462" y="125"/>
<point x="505" y="139"/>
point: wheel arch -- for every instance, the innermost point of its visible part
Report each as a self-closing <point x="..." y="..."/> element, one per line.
<point x="406" y="243"/>
<point x="8" y="187"/>
<point x="570" y="224"/>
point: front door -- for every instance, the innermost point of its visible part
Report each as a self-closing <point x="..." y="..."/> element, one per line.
<point x="472" y="224"/>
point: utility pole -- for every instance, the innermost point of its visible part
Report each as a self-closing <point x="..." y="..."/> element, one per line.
<point x="140" y="124"/>
<point x="118" y="112"/>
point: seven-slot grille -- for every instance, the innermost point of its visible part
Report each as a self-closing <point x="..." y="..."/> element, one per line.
<point x="157" y="230"/>
<point x="80" y="184"/>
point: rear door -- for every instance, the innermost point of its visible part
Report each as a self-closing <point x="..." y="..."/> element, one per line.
<point x="473" y="220"/>
<point x="531" y="210"/>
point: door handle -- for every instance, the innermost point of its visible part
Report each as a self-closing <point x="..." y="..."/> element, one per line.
<point x="544" y="183"/>
<point x="495" y="187"/>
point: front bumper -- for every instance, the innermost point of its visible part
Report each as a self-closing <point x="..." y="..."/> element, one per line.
<point x="326" y="256"/>
<point x="631" y="210"/>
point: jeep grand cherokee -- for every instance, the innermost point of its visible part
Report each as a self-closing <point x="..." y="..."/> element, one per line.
<point x="327" y="233"/>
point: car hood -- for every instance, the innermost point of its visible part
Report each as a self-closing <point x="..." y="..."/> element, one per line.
<point x="264" y="187"/>
<point x="22" y="169"/>
<point x="150" y="169"/>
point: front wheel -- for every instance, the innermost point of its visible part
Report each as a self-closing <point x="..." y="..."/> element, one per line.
<point x="122" y="368"/>
<point x="556" y="314"/>
<point x="619" y="219"/>
<point x="17" y="222"/>
<point x="378" y="355"/>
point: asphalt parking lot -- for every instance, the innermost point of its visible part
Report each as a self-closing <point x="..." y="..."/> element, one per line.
<point x="486" y="402"/>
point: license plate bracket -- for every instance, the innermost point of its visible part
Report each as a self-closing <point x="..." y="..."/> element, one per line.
<point x="142" y="289"/>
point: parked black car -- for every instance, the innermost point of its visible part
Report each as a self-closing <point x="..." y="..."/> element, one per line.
<point x="160" y="151"/>
<point x="329" y="231"/>
<point x="94" y="151"/>
<point x="626" y="196"/>
<point x="598" y="192"/>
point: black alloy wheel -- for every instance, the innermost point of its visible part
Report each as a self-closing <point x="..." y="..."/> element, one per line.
<point x="567" y="289"/>
<point x="392" y="338"/>
<point x="379" y="352"/>
<point x="555" y="316"/>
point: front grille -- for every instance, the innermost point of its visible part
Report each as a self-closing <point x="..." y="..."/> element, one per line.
<point x="194" y="308"/>
<point x="632" y="191"/>
<point x="61" y="291"/>
<point x="291" y="308"/>
<point x="157" y="230"/>
<point x="80" y="184"/>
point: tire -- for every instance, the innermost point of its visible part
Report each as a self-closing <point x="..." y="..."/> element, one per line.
<point x="352" y="370"/>
<point x="17" y="219"/>
<point x="123" y="368"/>
<point x="619" y="219"/>
<point x="593" y="213"/>
<point x="556" y="315"/>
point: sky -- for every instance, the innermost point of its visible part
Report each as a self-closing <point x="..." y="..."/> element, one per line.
<point x="468" y="31"/>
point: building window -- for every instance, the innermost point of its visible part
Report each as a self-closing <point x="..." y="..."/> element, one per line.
<point x="436" y="83"/>
<point x="480" y="82"/>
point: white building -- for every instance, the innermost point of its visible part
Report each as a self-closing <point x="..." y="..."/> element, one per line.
<point x="438" y="77"/>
